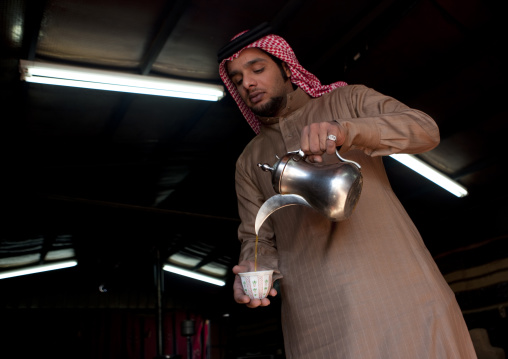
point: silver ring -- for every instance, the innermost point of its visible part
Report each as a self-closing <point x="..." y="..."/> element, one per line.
<point x="331" y="138"/>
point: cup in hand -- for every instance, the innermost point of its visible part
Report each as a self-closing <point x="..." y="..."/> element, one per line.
<point x="257" y="284"/>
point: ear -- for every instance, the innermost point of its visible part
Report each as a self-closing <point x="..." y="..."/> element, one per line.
<point x="286" y="69"/>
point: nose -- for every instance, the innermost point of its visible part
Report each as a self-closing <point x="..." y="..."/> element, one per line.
<point x="248" y="81"/>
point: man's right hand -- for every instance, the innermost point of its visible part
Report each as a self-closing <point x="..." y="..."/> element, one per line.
<point x="315" y="141"/>
<point x="239" y="294"/>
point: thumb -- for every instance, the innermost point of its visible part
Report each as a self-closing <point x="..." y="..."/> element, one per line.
<point x="315" y="158"/>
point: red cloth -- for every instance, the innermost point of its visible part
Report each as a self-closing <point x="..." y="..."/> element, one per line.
<point x="279" y="48"/>
<point x="197" y="346"/>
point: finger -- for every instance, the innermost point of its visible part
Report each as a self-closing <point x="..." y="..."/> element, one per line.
<point x="338" y="131"/>
<point x="265" y="302"/>
<point x="323" y="137"/>
<point x="240" y="269"/>
<point x="242" y="299"/>
<point x="331" y="143"/>
<point x="254" y="303"/>
<point x="316" y="139"/>
<point x="239" y="295"/>
<point x="304" y="140"/>
<point x="315" y="158"/>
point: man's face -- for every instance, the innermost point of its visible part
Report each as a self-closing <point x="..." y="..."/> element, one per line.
<point x="259" y="81"/>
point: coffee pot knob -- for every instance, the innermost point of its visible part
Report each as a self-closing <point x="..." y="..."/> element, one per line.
<point x="266" y="167"/>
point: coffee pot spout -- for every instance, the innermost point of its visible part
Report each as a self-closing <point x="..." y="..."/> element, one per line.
<point x="274" y="203"/>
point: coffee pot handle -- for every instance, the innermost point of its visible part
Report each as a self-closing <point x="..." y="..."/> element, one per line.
<point x="302" y="155"/>
<point x="348" y="161"/>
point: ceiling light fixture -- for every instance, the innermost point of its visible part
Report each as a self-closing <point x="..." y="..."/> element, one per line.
<point x="193" y="275"/>
<point x="62" y="75"/>
<point x="37" y="269"/>
<point x="430" y="173"/>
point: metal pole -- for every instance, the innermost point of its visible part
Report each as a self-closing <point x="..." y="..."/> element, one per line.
<point x="188" y="328"/>
<point x="159" y="319"/>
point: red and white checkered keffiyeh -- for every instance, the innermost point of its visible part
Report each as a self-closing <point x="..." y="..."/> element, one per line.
<point x="279" y="48"/>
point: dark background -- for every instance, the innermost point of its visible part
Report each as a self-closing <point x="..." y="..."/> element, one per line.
<point x="120" y="179"/>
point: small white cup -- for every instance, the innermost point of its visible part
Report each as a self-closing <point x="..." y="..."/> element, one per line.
<point x="257" y="284"/>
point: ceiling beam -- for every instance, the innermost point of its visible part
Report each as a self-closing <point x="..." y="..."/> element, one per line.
<point x="171" y="14"/>
<point x="33" y="18"/>
<point x="46" y="246"/>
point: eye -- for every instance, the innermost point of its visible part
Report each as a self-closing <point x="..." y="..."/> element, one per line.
<point x="236" y="80"/>
<point x="258" y="71"/>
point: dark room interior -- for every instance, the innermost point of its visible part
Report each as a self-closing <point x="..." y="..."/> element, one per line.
<point x="124" y="184"/>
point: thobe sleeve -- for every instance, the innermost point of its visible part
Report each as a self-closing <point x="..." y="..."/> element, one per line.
<point x="380" y="125"/>
<point x="250" y="199"/>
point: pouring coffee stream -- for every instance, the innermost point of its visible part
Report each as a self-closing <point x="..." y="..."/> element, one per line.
<point x="332" y="190"/>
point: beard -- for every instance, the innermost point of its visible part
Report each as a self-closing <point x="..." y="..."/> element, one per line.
<point x="269" y="109"/>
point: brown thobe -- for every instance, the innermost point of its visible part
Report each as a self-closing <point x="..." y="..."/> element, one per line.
<point x="366" y="287"/>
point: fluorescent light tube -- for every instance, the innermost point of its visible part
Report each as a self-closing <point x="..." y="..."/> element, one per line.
<point x="53" y="74"/>
<point x="193" y="275"/>
<point x="37" y="269"/>
<point x="430" y="173"/>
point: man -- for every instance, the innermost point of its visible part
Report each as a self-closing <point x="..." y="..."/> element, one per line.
<point x="362" y="288"/>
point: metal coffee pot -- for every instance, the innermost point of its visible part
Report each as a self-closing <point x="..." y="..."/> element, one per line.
<point x="332" y="190"/>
